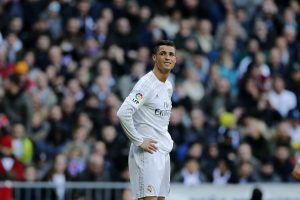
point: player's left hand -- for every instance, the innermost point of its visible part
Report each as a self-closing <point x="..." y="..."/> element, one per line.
<point x="296" y="171"/>
<point x="149" y="145"/>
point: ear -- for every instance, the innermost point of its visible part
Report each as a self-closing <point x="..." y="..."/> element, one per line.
<point x="154" y="57"/>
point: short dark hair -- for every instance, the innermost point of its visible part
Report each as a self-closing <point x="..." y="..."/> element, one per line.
<point x="161" y="43"/>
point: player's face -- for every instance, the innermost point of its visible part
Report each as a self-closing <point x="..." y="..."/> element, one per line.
<point x="165" y="58"/>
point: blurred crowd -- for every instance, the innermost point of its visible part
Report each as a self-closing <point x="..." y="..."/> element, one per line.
<point x="67" y="65"/>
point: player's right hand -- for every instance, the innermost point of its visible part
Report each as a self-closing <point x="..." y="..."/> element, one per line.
<point x="149" y="145"/>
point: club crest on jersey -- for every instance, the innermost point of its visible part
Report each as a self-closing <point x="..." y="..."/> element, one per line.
<point x="138" y="98"/>
<point x="149" y="188"/>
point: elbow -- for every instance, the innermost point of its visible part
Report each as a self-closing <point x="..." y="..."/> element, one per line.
<point x="120" y="114"/>
<point x="124" y="113"/>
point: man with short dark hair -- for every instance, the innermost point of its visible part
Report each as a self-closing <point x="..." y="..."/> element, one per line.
<point x="144" y="116"/>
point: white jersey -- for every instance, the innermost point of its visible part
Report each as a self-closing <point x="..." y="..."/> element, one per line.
<point x="145" y="113"/>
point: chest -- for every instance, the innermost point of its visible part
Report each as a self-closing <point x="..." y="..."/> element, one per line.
<point x="160" y="99"/>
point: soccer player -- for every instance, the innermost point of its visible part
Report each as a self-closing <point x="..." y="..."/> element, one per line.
<point x="296" y="170"/>
<point x="144" y="116"/>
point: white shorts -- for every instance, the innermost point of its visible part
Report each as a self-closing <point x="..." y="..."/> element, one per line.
<point x="149" y="173"/>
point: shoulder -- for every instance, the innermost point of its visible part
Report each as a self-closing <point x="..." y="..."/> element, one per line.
<point x="169" y="84"/>
<point x="169" y="88"/>
<point x="290" y="93"/>
<point x="145" y="83"/>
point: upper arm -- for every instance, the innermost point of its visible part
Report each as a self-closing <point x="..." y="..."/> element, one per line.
<point x="137" y="97"/>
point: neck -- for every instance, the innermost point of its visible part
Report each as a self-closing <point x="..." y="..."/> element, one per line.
<point x="162" y="76"/>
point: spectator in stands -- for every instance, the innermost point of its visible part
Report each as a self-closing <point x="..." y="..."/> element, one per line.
<point x="56" y="136"/>
<point x="266" y="172"/>
<point x="244" y="154"/>
<point x="227" y="70"/>
<point x="11" y="169"/>
<point x="275" y="63"/>
<point x="293" y="120"/>
<point x="79" y="148"/>
<point x="42" y="46"/>
<point x="280" y="98"/>
<point x="76" y="160"/>
<point x="95" y="170"/>
<point x="58" y="175"/>
<point x="13" y="45"/>
<point x="218" y="100"/>
<point x="30" y="177"/>
<point x="123" y="36"/>
<point x="100" y="88"/>
<point x="170" y="22"/>
<point x="45" y="93"/>
<point x="282" y="164"/>
<point x="112" y="142"/>
<point x="198" y="128"/>
<point x="245" y="173"/>
<point x="104" y="68"/>
<point x="185" y="32"/>
<point x="192" y="84"/>
<point x="74" y="90"/>
<point x="54" y="19"/>
<point x="84" y="121"/>
<point x="16" y="104"/>
<point x="200" y="63"/>
<point x="40" y="127"/>
<point x="99" y="148"/>
<point x="6" y="68"/>
<point x="204" y="35"/>
<point x="69" y="111"/>
<point x="293" y="80"/>
<point x="281" y="135"/>
<point x="127" y="81"/>
<point x="190" y="174"/>
<point x="210" y="158"/>
<point x="282" y="45"/>
<point x="230" y="26"/>
<point x="222" y="174"/>
<point x="71" y="37"/>
<point x="101" y="30"/>
<point x="22" y="145"/>
<point x="255" y="137"/>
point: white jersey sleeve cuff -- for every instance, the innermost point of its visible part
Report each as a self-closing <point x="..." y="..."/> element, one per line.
<point x="138" y="143"/>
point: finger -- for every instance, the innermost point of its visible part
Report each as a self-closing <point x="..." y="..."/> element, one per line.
<point x="149" y="151"/>
<point x="153" y="148"/>
<point x="153" y="141"/>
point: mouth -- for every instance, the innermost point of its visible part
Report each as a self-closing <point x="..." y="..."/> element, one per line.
<point x="169" y="63"/>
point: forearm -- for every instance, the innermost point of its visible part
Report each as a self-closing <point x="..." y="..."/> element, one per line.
<point x="125" y="116"/>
